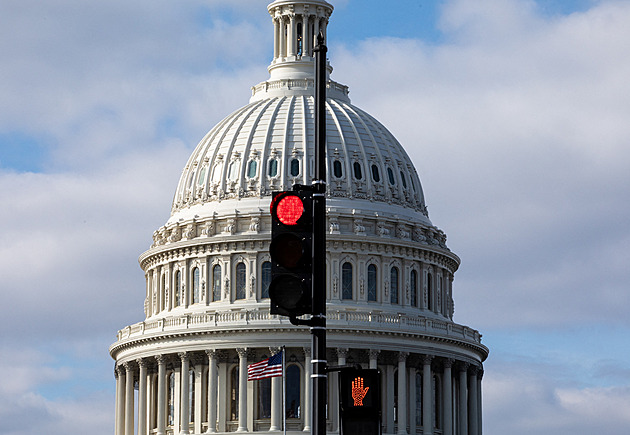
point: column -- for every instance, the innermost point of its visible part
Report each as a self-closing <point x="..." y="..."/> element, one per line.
<point x="161" y="392"/>
<point x="242" y="390"/>
<point x="292" y="35"/>
<point x="212" y="390"/>
<point x="317" y="21"/>
<point x="402" y="393"/>
<point x="120" y="400"/>
<point x="373" y="355"/>
<point x="479" y="400"/>
<point x="199" y="387"/>
<point x="411" y="389"/>
<point x="448" y="397"/>
<point x="276" y="404"/>
<point x="276" y="38"/>
<point x="388" y="399"/>
<point x="185" y="394"/>
<point x="129" y="399"/>
<point x="427" y="396"/>
<point x="283" y="39"/>
<point x="307" y="390"/>
<point x="222" y="396"/>
<point x="306" y="36"/>
<point x="342" y="354"/>
<point x="463" y="398"/>
<point x="142" y="397"/>
<point x="473" y="424"/>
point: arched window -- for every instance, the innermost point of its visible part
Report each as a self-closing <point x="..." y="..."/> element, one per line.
<point x="265" y="279"/>
<point x="438" y="292"/>
<point x="390" y="175"/>
<point x="252" y="167"/>
<point x="418" y="403"/>
<point x="195" y="285"/>
<point x="295" y="167"/>
<point x="394" y="285"/>
<point x="413" y="288"/>
<point x="337" y="171"/>
<point x="346" y="281"/>
<point x="300" y="40"/>
<point x="170" y="403"/>
<point x="358" y="172"/>
<point x="234" y="394"/>
<point x="375" y="174"/>
<point x="264" y="398"/>
<point x="272" y="170"/>
<point x="429" y="291"/>
<point x="371" y="283"/>
<point x="216" y="283"/>
<point x="177" y="289"/>
<point x="293" y="392"/>
<point x="202" y="177"/>
<point x="241" y="281"/>
<point x="437" y="402"/>
<point x="163" y="292"/>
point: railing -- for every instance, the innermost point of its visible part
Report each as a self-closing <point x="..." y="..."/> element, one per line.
<point x="339" y="319"/>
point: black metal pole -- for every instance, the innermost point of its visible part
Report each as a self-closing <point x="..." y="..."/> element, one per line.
<point x="318" y="328"/>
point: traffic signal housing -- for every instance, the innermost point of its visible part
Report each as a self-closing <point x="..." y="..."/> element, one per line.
<point x="290" y="289"/>
<point x="360" y="401"/>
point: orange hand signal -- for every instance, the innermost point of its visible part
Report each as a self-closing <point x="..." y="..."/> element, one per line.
<point x="358" y="392"/>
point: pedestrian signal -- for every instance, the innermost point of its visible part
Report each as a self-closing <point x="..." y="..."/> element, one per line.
<point x="360" y="401"/>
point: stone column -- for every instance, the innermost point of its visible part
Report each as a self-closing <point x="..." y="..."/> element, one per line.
<point x="473" y="424"/>
<point x="185" y="393"/>
<point x="479" y="401"/>
<point x="373" y="355"/>
<point x="222" y="396"/>
<point x="402" y="393"/>
<point x="317" y="21"/>
<point x="463" y="398"/>
<point x="306" y="35"/>
<point x="388" y="399"/>
<point x="307" y="390"/>
<point x="161" y="392"/>
<point x="411" y="389"/>
<point x="276" y="39"/>
<point x="242" y="390"/>
<point x="120" y="400"/>
<point x="129" y="417"/>
<point x="427" y="396"/>
<point x="212" y="390"/>
<point x="142" y="397"/>
<point x="342" y="354"/>
<point x="292" y="35"/>
<point x="447" y="394"/>
<point x="283" y="38"/>
<point x="276" y="398"/>
<point x="199" y="387"/>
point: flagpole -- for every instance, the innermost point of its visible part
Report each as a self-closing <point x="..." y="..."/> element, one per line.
<point x="284" y="391"/>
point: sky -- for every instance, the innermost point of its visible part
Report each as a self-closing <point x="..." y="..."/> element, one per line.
<point x="515" y="113"/>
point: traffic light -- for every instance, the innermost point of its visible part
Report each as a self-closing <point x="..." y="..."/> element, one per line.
<point x="360" y="401"/>
<point x="290" y="289"/>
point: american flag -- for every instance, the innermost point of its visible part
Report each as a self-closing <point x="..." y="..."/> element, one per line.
<point x="267" y="368"/>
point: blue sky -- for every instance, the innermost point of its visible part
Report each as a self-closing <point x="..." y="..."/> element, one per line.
<point x="513" y="111"/>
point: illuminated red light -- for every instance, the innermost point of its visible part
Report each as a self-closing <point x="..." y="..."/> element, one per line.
<point x="289" y="210"/>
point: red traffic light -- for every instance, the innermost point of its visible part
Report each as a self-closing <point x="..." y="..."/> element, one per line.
<point x="289" y="209"/>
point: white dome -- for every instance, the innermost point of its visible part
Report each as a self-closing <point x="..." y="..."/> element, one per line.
<point x="268" y="145"/>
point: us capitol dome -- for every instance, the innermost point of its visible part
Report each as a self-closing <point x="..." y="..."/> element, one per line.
<point x="389" y="273"/>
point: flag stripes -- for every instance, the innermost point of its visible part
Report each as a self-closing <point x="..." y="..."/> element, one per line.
<point x="267" y="368"/>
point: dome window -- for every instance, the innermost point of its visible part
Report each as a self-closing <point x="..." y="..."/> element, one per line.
<point x="252" y="168"/>
<point x="202" y="177"/>
<point x="272" y="168"/>
<point x="390" y="175"/>
<point x="266" y="279"/>
<point x="216" y="283"/>
<point x="394" y="285"/>
<point x="404" y="180"/>
<point x="376" y="176"/>
<point x="346" y="281"/>
<point x="233" y="170"/>
<point x="241" y="281"/>
<point x="295" y="167"/>
<point x="358" y="172"/>
<point x="371" y="283"/>
<point x="337" y="169"/>
<point x="413" y="185"/>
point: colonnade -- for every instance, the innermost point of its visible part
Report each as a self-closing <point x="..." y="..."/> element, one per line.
<point x="421" y="393"/>
<point x="287" y="38"/>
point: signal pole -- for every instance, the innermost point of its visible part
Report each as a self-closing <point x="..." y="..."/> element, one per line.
<point x="318" y="321"/>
